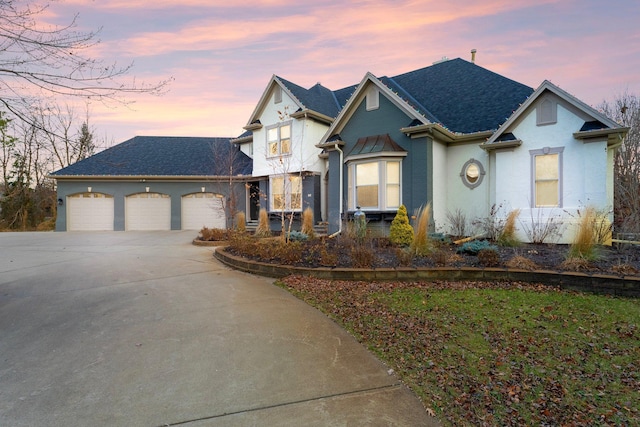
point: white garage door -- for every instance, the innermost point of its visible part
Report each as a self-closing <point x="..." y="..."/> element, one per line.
<point x="89" y="211"/>
<point x="148" y="211"/>
<point x="202" y="210"/>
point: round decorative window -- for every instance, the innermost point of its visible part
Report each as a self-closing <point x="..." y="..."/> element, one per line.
<point x="472" y="173"/>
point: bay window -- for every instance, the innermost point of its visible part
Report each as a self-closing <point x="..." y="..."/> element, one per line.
<point x="374" y="185"/>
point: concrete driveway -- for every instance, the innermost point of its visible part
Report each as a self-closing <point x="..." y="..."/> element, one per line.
<point x="144" y="329"/>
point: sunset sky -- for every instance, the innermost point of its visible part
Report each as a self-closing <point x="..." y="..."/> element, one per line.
<point x="223" y="53"/>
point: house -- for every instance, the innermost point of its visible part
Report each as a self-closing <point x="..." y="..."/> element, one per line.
<point x="453" y="134"/>
<point x="456" y="135"/>
<point x="154" y="183"/>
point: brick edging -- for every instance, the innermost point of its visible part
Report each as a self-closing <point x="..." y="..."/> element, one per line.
<point x="628" y="286"/>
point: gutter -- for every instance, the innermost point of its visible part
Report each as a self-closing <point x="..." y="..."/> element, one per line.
<point x="144" y="178"/>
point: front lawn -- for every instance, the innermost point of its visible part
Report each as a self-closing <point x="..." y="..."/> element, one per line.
<point x="497" y="353"/>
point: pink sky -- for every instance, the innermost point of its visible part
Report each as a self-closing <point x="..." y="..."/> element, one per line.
<point x="223" y="53"/>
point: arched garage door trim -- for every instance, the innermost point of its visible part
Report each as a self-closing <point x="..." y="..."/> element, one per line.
<point x="148" y="211"/>
<point x="90" y="212"/>
<point x="203" y="210"/>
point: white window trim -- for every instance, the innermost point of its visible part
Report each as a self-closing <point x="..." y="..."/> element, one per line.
<point x="287" y="193"/>
<point x="542" y="152"/>
<point x="382" y="183"/>
<point x="279" y="126"/>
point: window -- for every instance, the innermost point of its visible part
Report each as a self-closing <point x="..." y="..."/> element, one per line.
<point x="375" y="185"/>
<point x="472" y="173"/>
<point x="547" y="177"/>
<point x="286" y="193"/>
<point x="279" y="140"/>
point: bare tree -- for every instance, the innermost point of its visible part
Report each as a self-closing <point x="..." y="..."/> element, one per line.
<point x="38" y="61"/>
<point x="625" y="109"/>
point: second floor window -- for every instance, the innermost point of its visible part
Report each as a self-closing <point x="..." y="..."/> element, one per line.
<point x="279" y="140"/>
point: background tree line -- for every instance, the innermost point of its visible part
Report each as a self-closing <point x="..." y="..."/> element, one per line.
<point x="625" y="110"/>
<point x="44" y="71"/>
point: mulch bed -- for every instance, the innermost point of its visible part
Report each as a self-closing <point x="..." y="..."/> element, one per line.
<point x="620" y="260"/>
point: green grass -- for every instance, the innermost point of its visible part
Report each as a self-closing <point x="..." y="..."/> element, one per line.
<point x="520" y="356"/>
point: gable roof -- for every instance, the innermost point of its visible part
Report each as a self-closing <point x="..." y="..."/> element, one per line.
<point x="317" y="99"/>
<point x="454" y="98"/>
<point x="599" y="125"/>
<point x="163" y="156"/>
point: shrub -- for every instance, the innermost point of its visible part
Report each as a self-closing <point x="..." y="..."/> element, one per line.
<point x="362" y="256"/>
<point x="213" y="234"/>
<point x="491" y="226"/>
<point x="458" y="222"/>
<point x="241" y="222"/>
<point x="404" y="256"/>
<point x="522" y="263"/>
<point x="507" y="235"/>
<point x="307" y="223"/>
<point x="422" y="244"/>
<point x="401" y="232"/>
<point x="541" y="230"/>
<point x="489" y="257"/>
<point x="328" y="258"/>
<point x="297" y="236"/>
<point x="474" y="247"/>
<point x="576" y="264"/>
<point x="264" y="227"/>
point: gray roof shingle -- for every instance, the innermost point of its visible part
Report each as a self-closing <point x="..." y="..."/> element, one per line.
<point x="164" y="156"/>
<point x="460" y="95"/>
<point x="319" y="98"/>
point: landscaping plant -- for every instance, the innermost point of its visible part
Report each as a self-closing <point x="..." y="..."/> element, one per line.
<point x="307" y="223"/>
<point x="241" y="222"/>
<point x="507" y="236"/>
<point x="264" y="227"/>
<point x="584" y="242"/>
<point x="401" y="232"/>
<point x="422" y="244"/>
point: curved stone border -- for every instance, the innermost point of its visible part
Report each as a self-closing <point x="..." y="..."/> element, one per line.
<point x="197" y="242"/>
<point x="628" y="286"/>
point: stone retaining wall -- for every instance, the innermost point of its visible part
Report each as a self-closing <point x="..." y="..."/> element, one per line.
<point x="597" y="283"/>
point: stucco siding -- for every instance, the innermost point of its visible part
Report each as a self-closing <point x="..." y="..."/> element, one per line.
<point x="305" y="134"/>
<point x="583" y="170"/>
<point x="472" y="202"/>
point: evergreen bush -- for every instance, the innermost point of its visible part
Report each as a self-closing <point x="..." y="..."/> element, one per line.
<point x="401" y="232"/>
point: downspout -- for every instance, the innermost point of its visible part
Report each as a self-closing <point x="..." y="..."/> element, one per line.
<point x="341" y="190"/>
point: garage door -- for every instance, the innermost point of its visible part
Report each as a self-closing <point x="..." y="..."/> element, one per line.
<point x="203" y="210"/>
<point x="148" y="211"/>
<point x="89" y="211"/>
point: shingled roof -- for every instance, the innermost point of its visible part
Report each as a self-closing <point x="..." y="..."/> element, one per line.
<point x="460" y="95"/>
<point x="163" y="156"/>
<point x="319" y="98"/>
